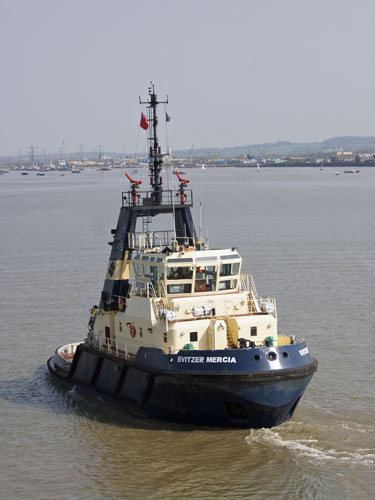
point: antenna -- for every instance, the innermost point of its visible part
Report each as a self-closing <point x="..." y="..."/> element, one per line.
<point x="155" y="155"/>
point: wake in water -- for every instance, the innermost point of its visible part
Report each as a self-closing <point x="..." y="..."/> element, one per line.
<point x="313" y="448"/>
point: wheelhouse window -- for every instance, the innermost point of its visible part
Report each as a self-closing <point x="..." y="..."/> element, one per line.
<point x="227" y="284"/>
<point x="137" y="268"/>
<point x="229" y="269"/>
<point x="180" y="273"/>
<point x="154" y="273"/>
<point x="146" y="270"/>
<point x="181" y="288"/>
<point x="205" y="278"/>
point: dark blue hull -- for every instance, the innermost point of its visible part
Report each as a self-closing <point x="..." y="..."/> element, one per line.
<point x="256" y="387"/>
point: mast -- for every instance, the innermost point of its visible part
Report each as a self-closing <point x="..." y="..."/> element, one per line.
<point x="145" y="204"/>
<point x="155" y="155"/>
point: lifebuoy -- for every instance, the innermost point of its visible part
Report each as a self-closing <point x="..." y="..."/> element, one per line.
<point x="132" y="331"/>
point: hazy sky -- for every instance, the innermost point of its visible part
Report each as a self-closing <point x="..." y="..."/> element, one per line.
<point x="236" y="71"/>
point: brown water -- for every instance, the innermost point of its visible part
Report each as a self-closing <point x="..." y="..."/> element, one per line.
<point x="308" y="238"/>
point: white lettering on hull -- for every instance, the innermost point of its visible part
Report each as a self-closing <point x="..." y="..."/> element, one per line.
<point x="209" y="359"/>
<point x="304" y="351"/>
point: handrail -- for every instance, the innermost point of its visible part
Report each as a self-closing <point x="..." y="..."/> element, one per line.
<point x="155" y="240"/>
<point x="267" y="305"/>
<point x="146" y="198"/>
<point x="247" y="284"/>
<point x="113" y="347"/>
<point x="142" y="288"/>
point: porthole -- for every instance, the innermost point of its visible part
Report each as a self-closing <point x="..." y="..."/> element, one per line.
<point x="256" y="357"/>
<point x="271" y="355"/>
<point x="285" y="354"/>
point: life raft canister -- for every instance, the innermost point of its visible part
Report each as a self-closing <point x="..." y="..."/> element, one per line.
<point x="132" y="331"/>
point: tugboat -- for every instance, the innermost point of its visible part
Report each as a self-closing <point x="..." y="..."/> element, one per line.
<point x="180" y="334"/>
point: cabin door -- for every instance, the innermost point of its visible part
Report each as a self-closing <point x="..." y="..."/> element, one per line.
<point x="107" y="334"/>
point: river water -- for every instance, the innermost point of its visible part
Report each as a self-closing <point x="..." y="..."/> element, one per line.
<point x="308" y="238"/>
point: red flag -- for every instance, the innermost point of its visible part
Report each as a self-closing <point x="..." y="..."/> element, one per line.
<point x="144" y="122"/>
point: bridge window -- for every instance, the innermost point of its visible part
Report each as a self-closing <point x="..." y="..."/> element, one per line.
<point x="180" y="273"/>
<point x="229" y="269"/>
<point x="137" y="268"/>
<point x="146" y="270"/>
<point x="205" y="278"/>
<point x="227" y="285"/>
<point x="182" y="288"/>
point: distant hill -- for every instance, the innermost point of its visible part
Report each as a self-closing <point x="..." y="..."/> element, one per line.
<point x="350" y="142"/>
<point x="345" y="143"/>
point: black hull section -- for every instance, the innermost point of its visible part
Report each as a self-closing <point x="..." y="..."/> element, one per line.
<point x="226" y="398"/>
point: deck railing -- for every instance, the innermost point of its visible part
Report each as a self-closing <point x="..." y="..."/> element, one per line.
<point x="165" y="198"/>
<point x="142" y="288"/>
<point x="111" y="346"/>
<point x="247" y="284"/>
<point x="156" y="240"/>
<point x="258" y="304"/>
<point x="268" y="305"/>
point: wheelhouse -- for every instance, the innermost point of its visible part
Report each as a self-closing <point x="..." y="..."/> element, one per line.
<point x="186" y="273"/>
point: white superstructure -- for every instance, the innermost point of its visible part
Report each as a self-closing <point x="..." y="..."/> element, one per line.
<point x="181" y="298"/>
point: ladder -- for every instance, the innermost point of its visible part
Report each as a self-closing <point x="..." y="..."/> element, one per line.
<point x="146" y="221"/>
<point x="251" y="303"/>
<point x="232" y="333"/>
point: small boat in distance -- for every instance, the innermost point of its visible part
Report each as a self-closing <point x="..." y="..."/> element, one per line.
<point x="180" y="333"/>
